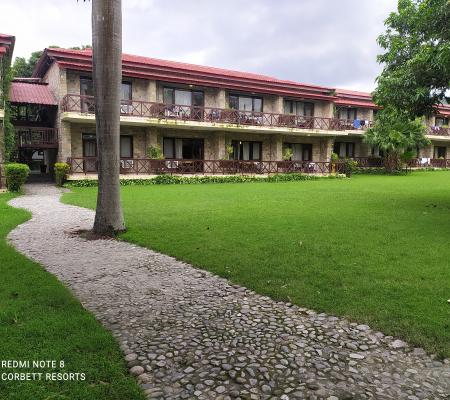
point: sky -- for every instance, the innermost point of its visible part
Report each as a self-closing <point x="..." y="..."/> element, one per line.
<point x="321" y="42"/>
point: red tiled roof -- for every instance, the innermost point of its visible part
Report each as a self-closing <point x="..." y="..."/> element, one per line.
<point x="444" y="109"/>
<point x="31" y="93"/>
<point x="172" y="71"/>
<point x="354" y="98"/>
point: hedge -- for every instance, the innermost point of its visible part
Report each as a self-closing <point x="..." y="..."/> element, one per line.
<point x="184" y="180"/>
<point x="16" y="175"/>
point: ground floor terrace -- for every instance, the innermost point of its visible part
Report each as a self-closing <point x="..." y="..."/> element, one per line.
<point x="227" y="152"/>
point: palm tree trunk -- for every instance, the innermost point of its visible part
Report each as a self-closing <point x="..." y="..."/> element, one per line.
<point x="107" y="74"/>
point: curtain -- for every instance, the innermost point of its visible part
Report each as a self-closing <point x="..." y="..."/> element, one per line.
<point x="256" y="150"/>
<point x="245" y="150"/>
<point x="183" y="97"/>
<point x="342" y="150"/>
<point x="297" y="152"/>
<point x="125" y="146"/>
<point x="168" y="148"/>
<point x="126" y="91"/>
<point x="179" y="148"/>
<point x="245" y="103"/>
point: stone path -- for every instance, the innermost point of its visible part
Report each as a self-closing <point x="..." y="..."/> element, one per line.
<point x="188" y="334"/>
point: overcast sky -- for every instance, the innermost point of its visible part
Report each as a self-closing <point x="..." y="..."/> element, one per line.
<point x="323" y="42"/>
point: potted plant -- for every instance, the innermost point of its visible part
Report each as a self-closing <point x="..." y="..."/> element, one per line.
<point x="155" y="153"/>
<point x="229" y="149"/>
<point x="334" y="160"/>
<point x="286" y="156"/>
<point x="225" y="163"/>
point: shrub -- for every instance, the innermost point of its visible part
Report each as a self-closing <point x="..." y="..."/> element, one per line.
<point x="287" y="153"/>
<point x="16" y="175"/>
<point x="61" y="171"/>
<point x="348" y="167"/>
<point x="154" y="153"/>
<point x="183" y="180"/>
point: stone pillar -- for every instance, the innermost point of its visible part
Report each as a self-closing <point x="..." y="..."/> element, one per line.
<point x="220" y="151"/>
<point x="276" y="148"/>
<point x="64" y="141"/>
<point x="152" y="92"/>
<point x="221" y="99"/>
<point x="278" y="105"/>
<point x="325" y="149"/>
<point x="328" y="110"/>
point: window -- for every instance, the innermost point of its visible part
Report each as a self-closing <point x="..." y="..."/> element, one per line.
<point x="183" y="97"/>
<point x="244" y="150"/>
<point x="86" y="86"/>
<point x="245" y="103"/>
<point x="126" y="146"/>
<point x="440" y="152"/>
<point x="344" y="149"/>
<point x="89" y="145"/>
<point x="299" y="108"/>
<point x="347" y="113"/>
<point x="441" y="121"/>
<point x="126" y="91"/>
<point x="300" y="151"/>
<point x="187" y="149"/>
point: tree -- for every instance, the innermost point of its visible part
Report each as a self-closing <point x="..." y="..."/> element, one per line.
<point x="416" y="73"/>
<point x="107" y="74"/>
<point x="23" y="67"/>
<point x="396" y="134"/>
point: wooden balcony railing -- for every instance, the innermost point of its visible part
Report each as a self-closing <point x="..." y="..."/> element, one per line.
<point x="36" y="137"/>
<point x="438" y="131"/>
<point x="429" y="162"/>
<point x="137" y="108"/>
<point x="136" y="166"/>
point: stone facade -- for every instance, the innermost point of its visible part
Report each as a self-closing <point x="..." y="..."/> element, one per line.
<point x="215" y="138"/>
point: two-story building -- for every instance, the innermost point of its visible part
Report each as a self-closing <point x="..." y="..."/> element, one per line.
<point x="197" y="113"/>
<point x="203" y="119"/>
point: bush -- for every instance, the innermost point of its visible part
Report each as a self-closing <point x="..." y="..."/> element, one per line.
<point x="182" y="180"/>
<point x="154" y="153"/>
<point x="348" y="167"/>
<point x="16" y="175"/>
<point x="61" y="171"/>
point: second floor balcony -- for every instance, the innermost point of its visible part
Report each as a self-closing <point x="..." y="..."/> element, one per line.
<point x="438" y="131"/>
<point x="36" y="137"/>
<point x="213" y="115"/>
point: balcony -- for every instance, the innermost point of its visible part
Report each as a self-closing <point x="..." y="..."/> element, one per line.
<point x="214" y="116"/>
<point x="32" y="137"/>
<point x="438" y="131"/>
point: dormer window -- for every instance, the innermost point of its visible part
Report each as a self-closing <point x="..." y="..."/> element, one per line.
<point x="300" y="108"/>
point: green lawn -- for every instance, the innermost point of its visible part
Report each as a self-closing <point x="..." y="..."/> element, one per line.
<point x="372" y="248"/>
<point x="41" y="320"/>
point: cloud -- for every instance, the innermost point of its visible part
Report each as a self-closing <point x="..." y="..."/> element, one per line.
<point x="321" y="42"/>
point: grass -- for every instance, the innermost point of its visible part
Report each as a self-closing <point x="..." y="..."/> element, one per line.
<point x="374" y="249"/>
<point x="41" y="320"/>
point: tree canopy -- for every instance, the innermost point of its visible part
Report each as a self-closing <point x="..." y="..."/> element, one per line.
<point x="395" y="132"/>
<point x="416" y="60"/>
